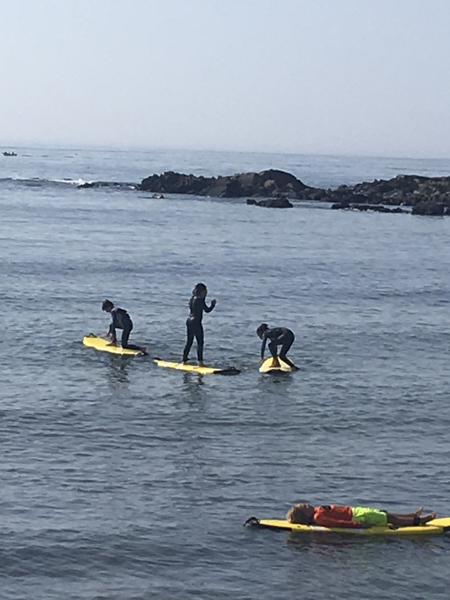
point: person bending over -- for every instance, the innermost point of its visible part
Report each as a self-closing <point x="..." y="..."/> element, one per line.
<point x="354" y="517"/>
<point x="197" y="307"/>
<point x="278" y="336"/>
<point x="120" y="319"/>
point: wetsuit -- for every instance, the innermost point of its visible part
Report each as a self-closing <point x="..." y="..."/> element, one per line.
<point x="278" y="336"/>
<point x="194" y="326"/>
<point x="120" y="319"/>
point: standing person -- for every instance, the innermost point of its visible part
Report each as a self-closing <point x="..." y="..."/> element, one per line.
<point x="278" y="336"/>
<point x="197" y="306"/>
<point x="120" y="319"/>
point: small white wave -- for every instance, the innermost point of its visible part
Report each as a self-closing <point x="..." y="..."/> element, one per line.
<point x="70" y="181"/>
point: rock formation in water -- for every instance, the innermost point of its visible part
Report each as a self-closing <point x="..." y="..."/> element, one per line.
<point x="424" y="195"/>
<point x="270" y="183"/>
<point x="279" y="202"/>
<point x="276" y="189"/>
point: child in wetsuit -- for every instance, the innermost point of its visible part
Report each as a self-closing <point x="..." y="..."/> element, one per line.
<point x="197" y="306"/>
<point x="278" y="336"/>
<point x="353" y="517"/>
<point x="120" y="319"/>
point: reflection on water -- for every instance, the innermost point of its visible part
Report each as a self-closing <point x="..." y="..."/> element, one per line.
<point x="192" y="382"/>
<point x="117" y="371"/>
<point x="194" y="391"/>
<point x="277" y="384"/>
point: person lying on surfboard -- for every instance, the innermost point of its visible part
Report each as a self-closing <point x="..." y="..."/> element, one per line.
<point x="278" y="336"/>
<point x="197" y="306"/>
<point x="120" y="319"/>
<point x="354" y="517"/>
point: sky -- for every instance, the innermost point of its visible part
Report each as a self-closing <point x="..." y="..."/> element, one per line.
<point x="343" y="77"/>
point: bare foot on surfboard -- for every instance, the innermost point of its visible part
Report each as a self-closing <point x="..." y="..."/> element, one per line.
<point x="425" y="518"/>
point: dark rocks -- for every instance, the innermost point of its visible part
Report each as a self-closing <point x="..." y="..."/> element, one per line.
<point x="337" y="205"/>
<point x="264" y="184"/>
<point x="425" y="195"/>
<point x="281" y="202"/>
<point x="429" y="207"/>
<point x="275" y="189"/>
<point x="364" y="207"/>
<point x="174" y="183"/>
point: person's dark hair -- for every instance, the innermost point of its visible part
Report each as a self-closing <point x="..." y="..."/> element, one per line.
<point x="199" y="288"/>
<point x="261" y="329"/>
<point x="297" y="514"/>
<point x="107" y="304"/>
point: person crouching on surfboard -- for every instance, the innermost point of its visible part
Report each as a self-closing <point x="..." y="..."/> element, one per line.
<point x="354" y="517"/>
<point x="278" y="336"/>
<point x="197" y="306"/>
<point x="120" y="319"/>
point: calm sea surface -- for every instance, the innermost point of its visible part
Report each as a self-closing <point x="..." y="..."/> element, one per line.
<point x="124" y="481"/>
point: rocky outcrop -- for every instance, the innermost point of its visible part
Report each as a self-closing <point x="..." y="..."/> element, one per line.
<point x="431" y="207"/>
<point x="275" y="188"/>
<point x="364" y="207"/>
<point x="270" y="183"/>
<point x="281" y="202"/>
<point x="425" y="195"/>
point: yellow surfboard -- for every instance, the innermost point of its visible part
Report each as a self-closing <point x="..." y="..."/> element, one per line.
<point x="267" y="367"/>
<point x="434" y="527"/>
<point x="104" y="345"/>
<point x="195" y="368"/>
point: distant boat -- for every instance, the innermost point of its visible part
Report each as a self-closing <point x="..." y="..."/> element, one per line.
<point x="9" y="154"/>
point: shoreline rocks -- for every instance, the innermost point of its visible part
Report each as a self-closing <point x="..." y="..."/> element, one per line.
<point x="424" y="195"/>
<point x="364" y="207"/>
<point x="276" y="189"/>
<point x="268" y="183"/>
<point x="280" y="202"/>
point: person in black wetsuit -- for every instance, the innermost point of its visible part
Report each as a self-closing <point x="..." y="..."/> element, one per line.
<point x="278" y="336"/>
<point x="120" y="319"/>
<point x="197" y="306"/>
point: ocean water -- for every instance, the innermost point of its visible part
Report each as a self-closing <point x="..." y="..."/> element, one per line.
<point x="121" y="480"/>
